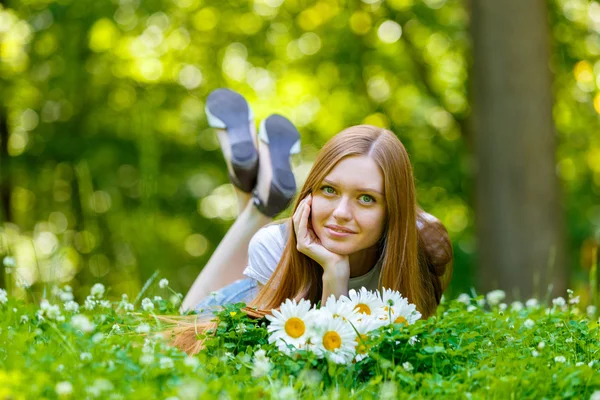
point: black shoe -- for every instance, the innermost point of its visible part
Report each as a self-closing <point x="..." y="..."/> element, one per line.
<point x="226" y="109"/>
<point x="283" y="140"/>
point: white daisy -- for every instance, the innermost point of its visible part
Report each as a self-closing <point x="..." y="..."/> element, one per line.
<point x="340" y="309"/>
<point x="333" y="338"/>
<point x="391" y="297"/>
<point x="364" y="327"/>
<point x="404" y="313"/>
<point x="364" y="302"/>
<point x="290" y="325"/>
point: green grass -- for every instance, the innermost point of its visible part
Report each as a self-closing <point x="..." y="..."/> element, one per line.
<point x="111" y="351"/>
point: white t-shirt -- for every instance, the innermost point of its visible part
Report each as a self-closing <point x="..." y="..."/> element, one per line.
<point x="265" y="250"/>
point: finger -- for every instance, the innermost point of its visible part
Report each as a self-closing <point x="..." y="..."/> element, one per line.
<point x="297" y="216"/>
<point x="303" y="223"/>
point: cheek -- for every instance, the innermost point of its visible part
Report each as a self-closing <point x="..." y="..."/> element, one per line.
<point x="374" y="223"/>
<point x="318" y="210"/>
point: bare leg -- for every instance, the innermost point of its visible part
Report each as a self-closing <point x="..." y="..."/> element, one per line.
<point x="229" y="259"/>
<point x="242" y="197"/>
<point x="231" y="256"/>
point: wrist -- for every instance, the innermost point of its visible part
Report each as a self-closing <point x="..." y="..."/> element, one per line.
<point x="337" y="270"/>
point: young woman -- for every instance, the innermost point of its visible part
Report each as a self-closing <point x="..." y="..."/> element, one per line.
<point x="355" y="222"/>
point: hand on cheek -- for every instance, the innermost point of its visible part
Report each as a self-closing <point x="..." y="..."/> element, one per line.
<point x="308" y="243"/>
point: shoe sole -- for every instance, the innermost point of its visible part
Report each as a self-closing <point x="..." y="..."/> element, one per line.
<point x="283" y="140"/>
<point x="226" y="109"/>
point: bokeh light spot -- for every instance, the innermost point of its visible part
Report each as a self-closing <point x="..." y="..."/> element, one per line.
<point x="389" y="31"/>
<point x="103" y="35"/>
<point x="206" y="19"/>
<point x="196" y="245"/>
<point x="360" y="22"/>
<point x="190" y="77"/>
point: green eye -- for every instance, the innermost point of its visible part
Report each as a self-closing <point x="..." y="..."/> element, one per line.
<point x="328" y="189"/>
<point x="368" y="198"/>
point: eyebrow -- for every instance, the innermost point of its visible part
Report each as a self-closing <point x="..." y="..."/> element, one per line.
<point x="359" y="189"/>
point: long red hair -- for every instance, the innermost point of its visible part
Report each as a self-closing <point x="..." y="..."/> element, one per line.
<point x="404" y="267"/>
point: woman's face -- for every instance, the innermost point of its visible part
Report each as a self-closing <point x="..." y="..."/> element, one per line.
<point x="351" y="199"/>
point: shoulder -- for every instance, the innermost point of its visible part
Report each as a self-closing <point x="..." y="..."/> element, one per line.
<point x="269" y="236"/>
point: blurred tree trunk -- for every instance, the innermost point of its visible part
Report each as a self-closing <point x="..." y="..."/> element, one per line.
<point x="4" y="179"/>
<point x="518" y="212"/>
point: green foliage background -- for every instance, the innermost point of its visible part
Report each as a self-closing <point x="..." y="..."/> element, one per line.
<point x="113" y="172"/>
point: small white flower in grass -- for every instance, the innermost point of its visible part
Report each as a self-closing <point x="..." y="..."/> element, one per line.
<point x="125" y="305"/>
<point x="502" y="307"/>
<point x="464" y="298"/>
<point x="408" y="367"/>
<point x="333" y="339"/>
<point x="98" y="337"/>
<point x="495" y="297"/>
<point x="471" y="308"/>
<point x="413" y="340"/>
<point x="105" y="304"/>
<point x="97" y="290"/>
<point x="147" y="305"/>
<point x="66" y="296"/>
<point x="559" y="302"/>
<point x="579" y="364"/>
<point x="590" y="311"/>
<point x="574" y="300"/>
<point x="146" y="359"/>
<point x="287" y="393"/>
<point x="9" y="262"/>
<point x="90" y="303"/>
<point x="534" y="353"/>
<point x="560" y="359"/>
<point x="71" y="306"/>
<point x="163" y="283"/>
<point x="24" y="319"/>
<point x="82" y="323"/>
<point x="85" y="356"/>
<point x="262" y="364"/>
<point x="143" y="328"/>
<point x="166" y="363"/>
<point x="290" y="325"/>
<point x="191" y="362"/>
<point x="3" y="296"/>
<point x="528" y="323"/>
<point x="157" y="298"/>
<point x="481" y="302"/>
<point x="116" y="328"/>
<point x="516" y="306"/>
<point x="541" y="345"/>
<point x="532" y="303"/>
<point x="175" y="299"/>
<point x="591" y="363"/>
<point x="64" y="388"/>
<point x="365" y="302"/>
<point x="569" y="340"/>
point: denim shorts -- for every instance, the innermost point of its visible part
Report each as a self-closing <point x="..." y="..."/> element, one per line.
<point x="243" y="290"/>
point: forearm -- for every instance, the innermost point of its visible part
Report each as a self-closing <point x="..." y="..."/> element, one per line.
<point x="335" y="282"/>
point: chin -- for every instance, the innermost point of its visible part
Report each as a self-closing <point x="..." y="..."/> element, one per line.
<point x="343" y="249"/>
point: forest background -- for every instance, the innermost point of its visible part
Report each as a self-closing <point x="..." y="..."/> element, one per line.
<point x="109" y="171"/>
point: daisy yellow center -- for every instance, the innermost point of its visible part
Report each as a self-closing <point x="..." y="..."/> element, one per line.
<point x="332" y="340"/>
<point x="360" y="347"/>
<point x="401" y="320"/>
<point x="363" y="308"/>
<point x="295" y="327"/>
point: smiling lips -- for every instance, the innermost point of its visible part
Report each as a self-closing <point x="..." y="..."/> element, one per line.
<point x="338" y="231"/>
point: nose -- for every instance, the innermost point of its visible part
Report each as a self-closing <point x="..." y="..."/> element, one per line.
<point x="342" y="210"/>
